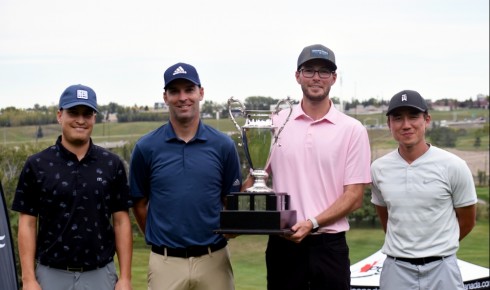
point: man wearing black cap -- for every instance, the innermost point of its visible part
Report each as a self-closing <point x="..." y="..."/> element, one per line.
<point x="322" y="161"/>
<point x="426" y="201"/>
<point x="73" y="199"/>
<point x="179" y="176"/>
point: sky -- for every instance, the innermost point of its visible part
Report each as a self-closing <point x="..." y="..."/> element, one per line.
<point x="121" y="49"/>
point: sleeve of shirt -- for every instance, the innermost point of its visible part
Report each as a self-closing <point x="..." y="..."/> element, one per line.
<point x="122" y="199"/>
<point x="232" y="179"/>
<point x="26" y="200"/>
<point x="376" y="197"/>
<point x="357" y="169"/>
<point x="138" y="177"/>
<point x="462" y="183"/>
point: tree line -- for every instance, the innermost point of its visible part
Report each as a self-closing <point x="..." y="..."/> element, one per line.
<point x="43" y="115"/>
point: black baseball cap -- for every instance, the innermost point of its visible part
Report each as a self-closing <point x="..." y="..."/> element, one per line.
<point x="317" y="51"/>
<point x="407" y="98"/>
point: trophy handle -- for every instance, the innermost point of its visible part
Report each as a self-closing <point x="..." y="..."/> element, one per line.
<point x="242" y="110"/>
<point x="277" y="110"/>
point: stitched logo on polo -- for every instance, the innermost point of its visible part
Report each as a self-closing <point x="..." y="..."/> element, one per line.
<point x="82" y="94"/>
<point x="179" y="70"/>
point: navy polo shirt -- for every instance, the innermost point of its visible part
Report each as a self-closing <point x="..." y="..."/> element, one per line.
<point x="74" y="201"/>
<point x="185" y="184"/>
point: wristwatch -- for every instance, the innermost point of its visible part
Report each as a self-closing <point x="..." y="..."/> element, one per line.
<point x="315" y="224"/>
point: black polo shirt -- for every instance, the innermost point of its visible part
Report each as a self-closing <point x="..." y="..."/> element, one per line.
<point x="74" y="201"/>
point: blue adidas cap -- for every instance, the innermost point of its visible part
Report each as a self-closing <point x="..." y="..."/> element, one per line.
<point x="181" y="71"/>
<point x="76" y="95"/>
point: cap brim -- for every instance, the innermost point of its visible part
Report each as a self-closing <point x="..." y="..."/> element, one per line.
<point x="405" y="106"/>
<point x="71" y="105"/>
<point x="181" y="78"/>
<point x="332" y="66"/>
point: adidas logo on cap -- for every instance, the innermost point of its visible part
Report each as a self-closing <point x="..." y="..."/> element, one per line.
<point x="179" y="70"/>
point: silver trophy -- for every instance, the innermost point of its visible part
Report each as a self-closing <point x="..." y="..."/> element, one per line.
<point x="258" y="210"/>
<point x="259" y="134"/>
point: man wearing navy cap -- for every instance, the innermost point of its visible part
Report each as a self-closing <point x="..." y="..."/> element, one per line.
<point x="426" y="200"/>
<point x="73" y="199"/>
<point x="179" y="175"/>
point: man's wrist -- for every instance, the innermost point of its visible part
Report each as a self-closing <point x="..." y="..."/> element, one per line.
<point x="315" y="224"/>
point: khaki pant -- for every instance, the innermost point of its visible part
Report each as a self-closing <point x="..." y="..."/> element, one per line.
<point x="207" y="272"/>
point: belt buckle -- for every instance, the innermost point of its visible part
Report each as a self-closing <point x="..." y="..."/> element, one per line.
<point x="73" y="269"/>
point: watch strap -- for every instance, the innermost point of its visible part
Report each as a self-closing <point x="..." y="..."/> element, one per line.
<point x="315" y="224"/>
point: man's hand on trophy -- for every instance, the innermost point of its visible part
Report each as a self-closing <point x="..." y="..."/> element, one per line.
<point x="248" y="182"/>
<point x="300" y="231"/>
<point x="230" y="236"/>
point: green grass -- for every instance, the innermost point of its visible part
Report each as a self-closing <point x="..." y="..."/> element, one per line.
<point x="474" y="248"/>
<point x="482" y="193"/>
<point x="379" y="138"/>
<point x="102" y="131"/>
<point x="248" y="260"/>
<point x="139" y="267"/>
<point x="459" y="115"/>
<point x="364" y="242"/>
<point x="248" y="254"/>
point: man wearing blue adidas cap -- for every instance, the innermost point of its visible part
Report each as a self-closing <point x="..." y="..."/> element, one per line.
<point x="73" y="199"/>
<point x="179" y="176"/>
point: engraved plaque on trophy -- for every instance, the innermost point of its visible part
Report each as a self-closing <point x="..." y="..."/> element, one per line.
<point x="258" y="210"/>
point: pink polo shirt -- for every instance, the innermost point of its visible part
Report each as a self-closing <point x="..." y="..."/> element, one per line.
<point x="313" y="160"/>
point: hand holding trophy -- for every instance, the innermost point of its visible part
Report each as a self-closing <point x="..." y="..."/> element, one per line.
<point x="258" y="210"/>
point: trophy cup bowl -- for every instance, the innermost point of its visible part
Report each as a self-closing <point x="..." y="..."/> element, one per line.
<point x="257" y="210"/>
<point x="257" y="134"/>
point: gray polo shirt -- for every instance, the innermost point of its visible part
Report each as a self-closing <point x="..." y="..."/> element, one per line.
<point x="421" y="198"/>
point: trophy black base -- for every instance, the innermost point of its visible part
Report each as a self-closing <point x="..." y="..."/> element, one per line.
<point x="269" y="217"/>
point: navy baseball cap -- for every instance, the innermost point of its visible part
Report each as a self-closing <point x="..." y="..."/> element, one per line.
<point x="76" y="95"/>
<point x="181" y="71"/>
<point x="317" y="51"/>
<point x="407" y="98"/>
